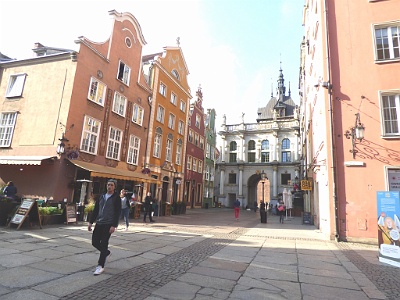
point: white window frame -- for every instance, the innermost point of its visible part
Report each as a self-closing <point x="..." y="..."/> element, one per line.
<point x="194" y="165"/>
<point x="97" y="91"/>
<point x="178" y="155"/>
<point x="181" y="126"/>
<point x="183" y="106"/>
<point x="114" y="143"/>
<point x="124" y="72"/>
<point x="171" y="121"/>
<point x="388" y="115"/>
<point x="90" y="135"/>
<point x="173" y="98"/>
<point x="119" y="104"/>
<point x="189" y="163"/>
<point x="163" y="89"/>
<point x="200" y="166"/>
<point x="168" y="150"/>
<point x="157" y="144"/>
<point x="16" y="83"/>
<point x="198" y="118"/>
<point x="191" y="136"/>
<point x="160" y="114"/>
<point x="137" y="114"/>
<point x="133" y="150"/>
<point x="7" y="126"/>
<point x="201" y="145"/>
<point x="387" y="27"/>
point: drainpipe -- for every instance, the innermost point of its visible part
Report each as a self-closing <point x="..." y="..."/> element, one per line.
<point x="333" y="157"/>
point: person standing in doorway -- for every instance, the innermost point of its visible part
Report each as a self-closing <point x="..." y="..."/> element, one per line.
<point x="106" y="214"/>
<point x="148" y="207"/>
<point x="125" y="208"/>
<point x="236" y="207"/>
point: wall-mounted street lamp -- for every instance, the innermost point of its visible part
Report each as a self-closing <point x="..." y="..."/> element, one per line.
<point x="61" y="146"/>
<point x="355" y="133"/>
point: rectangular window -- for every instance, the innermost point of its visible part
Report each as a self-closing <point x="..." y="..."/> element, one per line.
<point x="160" y="114"/>
<point x="163" y="89"/>
<point x="201" y="142"/>
<point x="232" y="178"/>
<point x="196" y="139"/>
<point x="119" y="104"/>
<point x="198" y="118"/>
<point x="207" y="173"/>
<point x="189" y="163"/>
<point x="200" y="169"/>
<point x="285" y="179"/>
<point x="173" y="98"/>
<point x="387" y="42"/>
<point x="180" y="127"/>
<point x="7" y="125"/>
<point x="178" y="154"/>
<point x="157" y="145"/>
<point x="171" y="121"/>
<point x="137" y="115"/>
<point x="232" y="157"/>
<point x="183" y="106"/>
<point x="251" y="157"/>
<point x="208" y="151"/>
<point x="168" y="153"/>
<point x="97" y="91"/>
<point x="264" y="156"/>
<point x="124" y="73"/>
<point x="190" y="135"/>
<point x="133" y="150"/>
<point x="286" y="156"/>
<point x="390" y="110"/>
<point x="114" y="143"/>
<point x="90" y="135"/>
<point x="194" y="168"/>
<point x="15" y="85"/>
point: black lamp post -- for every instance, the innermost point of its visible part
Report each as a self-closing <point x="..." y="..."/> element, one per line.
<point x="263" y="177"/>
<point x="355" y="133"/>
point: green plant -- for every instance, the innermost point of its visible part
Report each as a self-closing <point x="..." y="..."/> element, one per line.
<point x="50" y="210"/>
<point x="89" y="207"/>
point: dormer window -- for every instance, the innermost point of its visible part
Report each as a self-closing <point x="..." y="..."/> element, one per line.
<point x="176" y="74"/>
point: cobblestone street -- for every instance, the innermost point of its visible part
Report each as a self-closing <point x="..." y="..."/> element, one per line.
<point x="204" y="254"/>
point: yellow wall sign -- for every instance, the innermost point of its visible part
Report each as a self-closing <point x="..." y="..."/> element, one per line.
<point x="306" y="185"/>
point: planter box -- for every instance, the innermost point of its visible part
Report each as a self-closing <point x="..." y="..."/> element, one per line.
<point x="52" y="219"/>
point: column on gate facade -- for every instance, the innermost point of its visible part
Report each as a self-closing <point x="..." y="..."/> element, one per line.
<point x="222" y="181"/>
<point x="276" y="146"/>
<point x="296" y="147"/>
<point x="275" y="181"/>
<point x="242" y="150"/>
<point x="223" y="152"/>
<point x="240" y="180"/>
<point x="258" y="151"/>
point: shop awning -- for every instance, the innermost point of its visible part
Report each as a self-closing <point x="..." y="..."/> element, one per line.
<point x="108" y="172"/>
<point x="23" y="160"/>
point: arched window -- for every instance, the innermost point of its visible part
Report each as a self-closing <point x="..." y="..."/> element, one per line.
<point x="157" y="143"/>
<point x="265" y="151"/>
<point x="232" y="146"/>
<point x="251" y="153"/>
<point x="286" y="154"/>
<point x="175" y="73"/>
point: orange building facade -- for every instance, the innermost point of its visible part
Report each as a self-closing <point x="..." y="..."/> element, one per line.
<point x="350" y="108"/>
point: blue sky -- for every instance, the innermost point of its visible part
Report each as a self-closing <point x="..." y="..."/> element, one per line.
<point x="233" y="48"/>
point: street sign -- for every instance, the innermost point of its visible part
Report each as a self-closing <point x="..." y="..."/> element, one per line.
<point x="306" y="185"/>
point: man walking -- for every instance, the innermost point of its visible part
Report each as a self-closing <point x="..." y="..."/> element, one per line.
<point x="148" y="207"/>
<point x="106" y="213"/>
<point x="236" y="207"/>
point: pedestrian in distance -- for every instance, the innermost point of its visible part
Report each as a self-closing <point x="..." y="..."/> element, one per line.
<point x="148" y="207"/>
<point x="263" y="212"/>
<point x="236" y="207"/>
<point x="255" y="206"/>
<point x="106" y="214"/>
<point x="10" y="190"/>
<point x="281" y="211"/>
<point x="125" y="208"/>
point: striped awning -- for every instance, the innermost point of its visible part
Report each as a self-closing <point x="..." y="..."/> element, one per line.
<point x="23" y="160"/>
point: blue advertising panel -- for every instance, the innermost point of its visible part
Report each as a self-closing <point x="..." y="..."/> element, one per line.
<point x="389" y="227"/>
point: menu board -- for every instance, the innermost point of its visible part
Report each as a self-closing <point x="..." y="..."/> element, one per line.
<point x="27" y="208"/>
<point x="71" y="213"/>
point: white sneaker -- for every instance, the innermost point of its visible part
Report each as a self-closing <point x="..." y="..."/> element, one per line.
<point x="126" y="229"/>
<point x="98" y="270"/>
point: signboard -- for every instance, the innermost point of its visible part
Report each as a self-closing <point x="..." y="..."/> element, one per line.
<point x="307" y="218"/>
<point x="389" y="227"/>
<point x="28" y="207"/>
<point x="70" y="213"/>
<point x="306" y="185"/>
